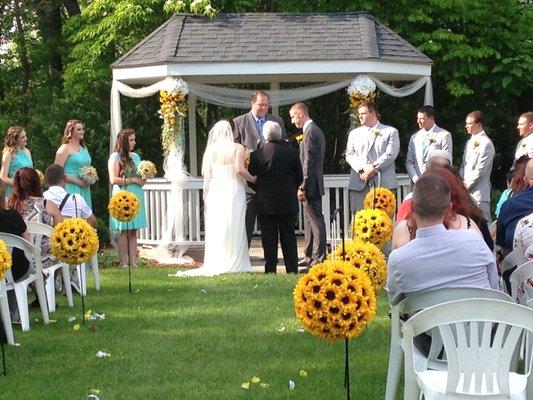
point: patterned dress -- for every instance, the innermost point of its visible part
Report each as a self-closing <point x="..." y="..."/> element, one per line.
<point x="139" y="221"/>
<point x="74" y="162"/>
<point x="34" y="209"/>
<point x="20" y="160"/>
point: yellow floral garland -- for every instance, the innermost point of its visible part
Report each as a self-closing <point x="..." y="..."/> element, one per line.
<point x="5" y="259"/>
<point x="361" y="89"/>
<point x="366" y="257"/>
<point x="74" y="241"/>
<point x="173" y="110"/>
<point x="334" y="300"/>
<point x="382" y="199"/>
<point x="124" y="206"/>
<point x="373" y="226"/>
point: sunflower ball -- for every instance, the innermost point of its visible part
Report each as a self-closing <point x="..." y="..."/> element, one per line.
<point x="124" y="206"/>
<point x="382" y="199"/>
<point x="5" y="259"/>
<point x="366" y="257"/>
<point x="373" y="226"/>
<point x="334" y="300"/>
<point x="74" y="241"/>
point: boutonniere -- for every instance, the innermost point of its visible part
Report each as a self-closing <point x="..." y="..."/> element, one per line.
<point x="299" y="138"/>
<point x="524" y="145"/>
<point x="476" y="143"/>
<point x="376" y="131"/>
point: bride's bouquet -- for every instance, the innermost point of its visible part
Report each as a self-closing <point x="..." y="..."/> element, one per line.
<point x="146" y="169"/>
<point x="88" y="174"/>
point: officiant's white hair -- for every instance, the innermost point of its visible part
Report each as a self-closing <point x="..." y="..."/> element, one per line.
<point x="271" y="131"/>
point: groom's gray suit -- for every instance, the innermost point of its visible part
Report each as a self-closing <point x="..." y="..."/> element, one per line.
<point x="366" y="147"/>
<point x="476" y="168"/>
<point x="246" y="133"/>
<point x="421" y="144"/>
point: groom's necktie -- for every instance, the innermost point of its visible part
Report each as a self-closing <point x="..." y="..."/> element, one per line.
<point x="425" y="146"/>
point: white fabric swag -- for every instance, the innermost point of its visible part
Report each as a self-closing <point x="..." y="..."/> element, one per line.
<point x="240" y="98"/>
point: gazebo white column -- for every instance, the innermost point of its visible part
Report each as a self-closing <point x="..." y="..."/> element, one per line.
<point x="193" y="167"/>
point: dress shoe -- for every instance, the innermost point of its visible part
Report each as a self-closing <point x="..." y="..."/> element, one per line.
<point x="303" y="262"/>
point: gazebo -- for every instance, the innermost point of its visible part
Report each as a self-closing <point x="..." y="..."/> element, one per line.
<point x="326" y="51"/>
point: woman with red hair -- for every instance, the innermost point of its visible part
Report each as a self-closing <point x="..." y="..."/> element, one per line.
<point x="464" y="213"/>
<point x="27" y="199"/>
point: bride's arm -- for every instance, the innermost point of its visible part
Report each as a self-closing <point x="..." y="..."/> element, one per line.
<point x="240" y="169"/>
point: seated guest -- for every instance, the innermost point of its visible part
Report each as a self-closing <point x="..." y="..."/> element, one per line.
<point x="70" y="205"/>
<point x="27" y="199"/>
<point x="436" y="158"/>
<point x="454" y="219"/>
<point x="439" y="257"/>
<point x="515" y="179"/>
<point x="523" y="239"/>
<point x="514" y="209"/>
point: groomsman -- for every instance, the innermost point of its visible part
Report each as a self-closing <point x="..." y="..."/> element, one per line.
<point x="371" y="151"/>
<point x="525" y="131"/>
<point x="247" y="131"/>
<point x="477" y="162"/>
<point x="311" y="190"/>
<point x="429" y="137"/>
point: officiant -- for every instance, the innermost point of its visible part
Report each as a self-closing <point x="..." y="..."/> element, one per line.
<point x="279" y="174"/>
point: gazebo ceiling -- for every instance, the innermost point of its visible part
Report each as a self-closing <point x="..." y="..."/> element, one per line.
<point x="266" y="47"/>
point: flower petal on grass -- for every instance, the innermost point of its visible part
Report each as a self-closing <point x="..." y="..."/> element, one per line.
<point x="255" y="379"/>
<point x="76" y="327"/>
<point x="245" y="385"/>
<point x="303" y="373"/>
<point x="102" y="354"/>
<point x="71" y="318"/>
<point x="93" y="397"/>
<point x="263" y="385"/>
<point x="282" y="328"/>
<point x="292" y="385"/>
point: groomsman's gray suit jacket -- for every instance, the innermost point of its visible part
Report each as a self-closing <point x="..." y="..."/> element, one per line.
<point x="477" y="166"/>
<point x="246" y="133"/>
<point x="437" y="139"/>
<point x="312" y="151"/>
<point x="360" y="151"/>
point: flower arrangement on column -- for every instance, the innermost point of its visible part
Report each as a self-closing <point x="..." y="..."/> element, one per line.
<point x="361" y="89"/>
<point x="74" y="241"/>
<point x="173" y="110"/>
<point x="124" y="206"/>
<point x="372" y="225"/>
<point x="5" y="259"/>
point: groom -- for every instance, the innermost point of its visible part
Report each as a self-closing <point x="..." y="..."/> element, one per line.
<point x="247" y="131"/>
<point x="279" y="173"/>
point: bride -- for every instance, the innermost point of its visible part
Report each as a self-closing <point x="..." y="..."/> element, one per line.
<point x="224" y="173"/>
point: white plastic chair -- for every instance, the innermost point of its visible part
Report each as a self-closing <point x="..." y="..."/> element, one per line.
<point x="413" y="303"/>
<point x="519" y="277"/>
<point x="33" y="254"/>
<point x="4" y="312"/>
<point x="37" y="231"/>
<point x="510" y="261"/>
<point x="81" y="270"/>
<point x="480" y="339"/>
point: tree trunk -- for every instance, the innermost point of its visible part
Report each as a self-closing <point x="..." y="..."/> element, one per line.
<point x="22" y="47"/>
<point x="50" y="25"/>
<point x="72" y="7"/>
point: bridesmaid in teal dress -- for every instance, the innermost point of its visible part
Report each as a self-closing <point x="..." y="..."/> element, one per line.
<point x="122" y="166"/>
<point x="14" y="156"/>
<point x="72" y="155"/>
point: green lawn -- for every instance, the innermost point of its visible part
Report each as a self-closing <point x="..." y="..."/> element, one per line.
<point x="193" y="338"/>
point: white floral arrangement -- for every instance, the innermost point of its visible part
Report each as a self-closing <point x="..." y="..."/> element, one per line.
<point x="146" y="169"/>
<point x="361" y="89"/>
<point x="88" y="174"/>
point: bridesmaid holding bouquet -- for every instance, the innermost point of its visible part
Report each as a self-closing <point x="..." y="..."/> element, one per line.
<point x="73" y="156"/>
<point x="14" y="156"/>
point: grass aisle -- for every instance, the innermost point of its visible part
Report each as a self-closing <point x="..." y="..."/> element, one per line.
<point x="196" y="338"/>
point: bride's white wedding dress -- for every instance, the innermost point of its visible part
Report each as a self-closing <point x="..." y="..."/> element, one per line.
<point x="226" y="246"/>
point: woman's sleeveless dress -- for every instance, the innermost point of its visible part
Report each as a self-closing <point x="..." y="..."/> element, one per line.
<point x="20" y="160"/>
<point x="72" y="166"/>
<point x="139" y="221"/>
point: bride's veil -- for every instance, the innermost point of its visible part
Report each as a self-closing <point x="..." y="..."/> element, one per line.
<point x="220" y="150"/>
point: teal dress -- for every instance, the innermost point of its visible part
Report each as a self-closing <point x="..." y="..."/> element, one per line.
<point x="74" y="162"/>
<point x="139" y="221"/>
<point x="20" y="160"/>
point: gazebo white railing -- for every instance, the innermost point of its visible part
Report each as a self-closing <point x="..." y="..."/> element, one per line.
<point x="156" y="192"/>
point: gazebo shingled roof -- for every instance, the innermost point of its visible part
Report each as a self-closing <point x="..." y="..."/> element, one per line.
<point x="257" y="37"/>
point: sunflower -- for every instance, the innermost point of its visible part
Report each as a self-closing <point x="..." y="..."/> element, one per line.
<point x="334" y="300"/>
<point x="5" y="259"/>
<point x="124" y="206"/>
<point x="74" y="241"/>
<point x="373" y="226"/>
<point x="382" y="199"/>
<point x="366" y="257"/>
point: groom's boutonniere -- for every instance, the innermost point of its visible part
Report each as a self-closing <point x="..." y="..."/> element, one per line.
<point x="476" y="143"/>
<point x="376" y="131"/>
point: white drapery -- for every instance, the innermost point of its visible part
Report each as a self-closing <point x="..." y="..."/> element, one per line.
<point x="239" y="98"/>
